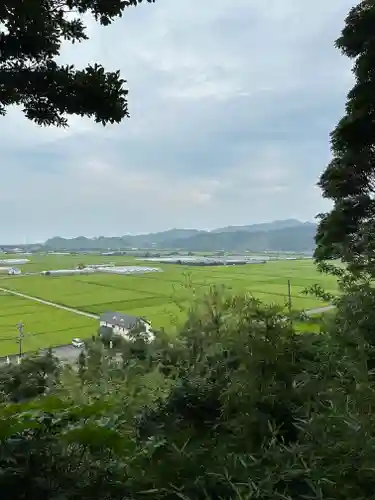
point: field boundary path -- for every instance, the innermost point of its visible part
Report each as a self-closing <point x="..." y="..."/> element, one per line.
<point x="319" y="310"/>
<point x="49" y="303"/>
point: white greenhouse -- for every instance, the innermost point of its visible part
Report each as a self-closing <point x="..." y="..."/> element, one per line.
<point x="128" y="270"/>
<point x="67" y="272"/>
<point x="12" y="262"/>
<point x="99" y="266"/>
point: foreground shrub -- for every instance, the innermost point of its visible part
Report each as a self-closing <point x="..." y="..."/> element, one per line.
<point x="34" y="376"/>
<point x="238" y="406"/>
<point x="253" y="402"/>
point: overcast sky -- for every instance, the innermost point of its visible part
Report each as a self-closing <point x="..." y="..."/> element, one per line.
<point x="231" y="104"/>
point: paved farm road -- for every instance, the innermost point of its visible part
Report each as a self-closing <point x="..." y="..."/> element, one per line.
<point x="67" y="354"/>
<point x="318" y="310"/>
<point x="48" y="303"/>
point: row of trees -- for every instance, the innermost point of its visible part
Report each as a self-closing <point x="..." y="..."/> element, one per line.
<point x="347" y="231"/>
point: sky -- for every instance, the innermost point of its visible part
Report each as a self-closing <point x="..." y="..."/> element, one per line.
<point x="231" y="105"/>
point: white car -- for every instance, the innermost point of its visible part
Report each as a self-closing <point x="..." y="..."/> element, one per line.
<point x="77" y="343"/>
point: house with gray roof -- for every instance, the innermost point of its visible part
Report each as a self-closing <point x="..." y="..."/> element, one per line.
<point x="122" y="324"/>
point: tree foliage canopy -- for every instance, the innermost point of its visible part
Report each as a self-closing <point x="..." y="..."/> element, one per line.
<point x="237" y="406"/>
<point x="31" y="34"/>
<point x="32" y="377"/>
<point x="348" y="230"/>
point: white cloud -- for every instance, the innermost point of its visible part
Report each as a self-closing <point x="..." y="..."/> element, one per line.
<point x="231" y="107"/>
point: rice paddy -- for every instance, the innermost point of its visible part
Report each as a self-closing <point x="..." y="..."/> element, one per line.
<point x="44" y="326"/>
<point x="156" y="296"/>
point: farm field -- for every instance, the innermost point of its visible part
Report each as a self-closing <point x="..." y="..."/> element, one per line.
<point x="40" y="262"/>
<point x="45" y="326"/>
<point x="156" y="296"/>
<point x="100" y="292"/>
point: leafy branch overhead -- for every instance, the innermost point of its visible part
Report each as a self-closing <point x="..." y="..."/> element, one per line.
<point x="347" y="231"/>
<point x="31" y="34"/>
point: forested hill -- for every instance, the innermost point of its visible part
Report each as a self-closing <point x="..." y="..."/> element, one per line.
<point x="293" y="239"/>
<point x="290" y="235"/>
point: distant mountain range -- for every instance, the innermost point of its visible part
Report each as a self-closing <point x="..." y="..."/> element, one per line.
<point x="285" y="235"/>
<point x="265" y="226"/>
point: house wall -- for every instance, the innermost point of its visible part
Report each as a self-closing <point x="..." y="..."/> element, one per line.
<point x="118" y="330"/>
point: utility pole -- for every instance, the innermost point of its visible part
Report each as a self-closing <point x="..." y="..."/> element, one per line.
<point x="289" y="298"/>
<point x="21" y="334"/>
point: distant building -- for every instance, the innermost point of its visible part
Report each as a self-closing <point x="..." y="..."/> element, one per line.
<point x="14" y="271"/>
<point x="122" y="324"/>
<point x="10" y="270"/>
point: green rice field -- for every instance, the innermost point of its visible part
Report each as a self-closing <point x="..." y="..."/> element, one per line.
<point x="44" y="326"/>
<point x="154" y="295"/>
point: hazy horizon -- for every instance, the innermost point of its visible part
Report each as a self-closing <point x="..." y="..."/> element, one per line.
<point x="12" y="243"/>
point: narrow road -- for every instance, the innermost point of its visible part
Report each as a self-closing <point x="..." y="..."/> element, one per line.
<point x="319" y="310"/>
<point x="66" y="354"/>
<point x="48" y="303"/>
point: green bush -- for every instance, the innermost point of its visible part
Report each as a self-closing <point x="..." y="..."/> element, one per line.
<point x="237" y="406"/>
<point x="31" y="378"/>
